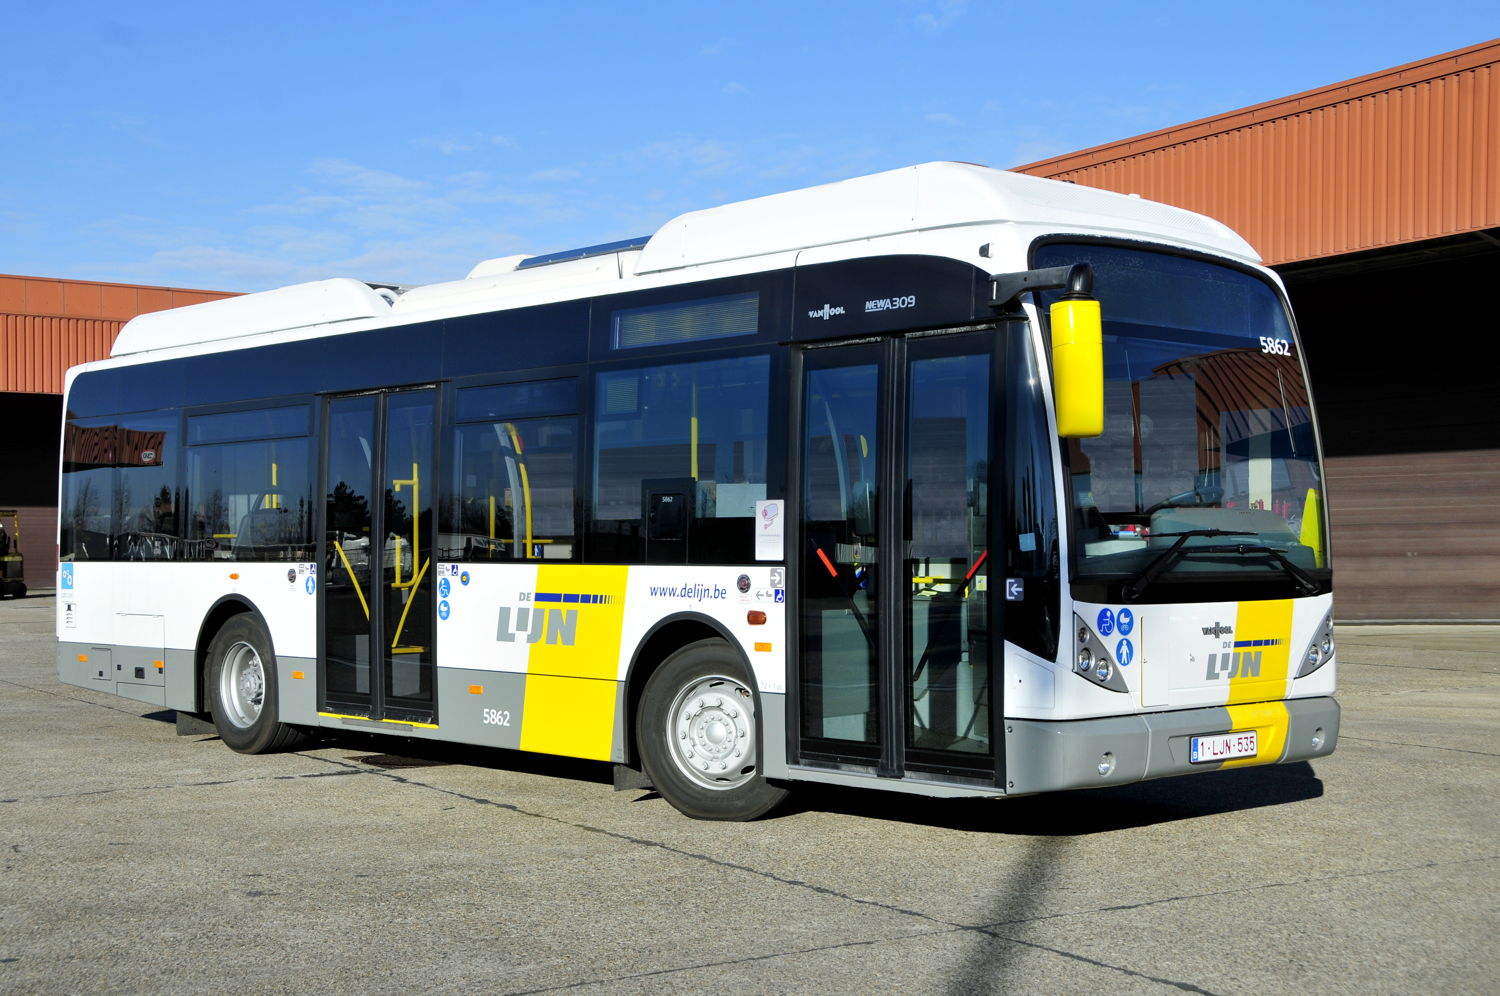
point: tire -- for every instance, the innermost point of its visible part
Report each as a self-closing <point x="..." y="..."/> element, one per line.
<point x="698" y="712"/>
<point x="240" y="685"/>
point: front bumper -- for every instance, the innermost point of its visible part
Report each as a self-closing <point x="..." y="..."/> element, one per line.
<point x="1047" y="756"/>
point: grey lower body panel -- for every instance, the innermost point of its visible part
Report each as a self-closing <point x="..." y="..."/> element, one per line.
<point x="138" y="673"/>
<point x="1044" y="756"/>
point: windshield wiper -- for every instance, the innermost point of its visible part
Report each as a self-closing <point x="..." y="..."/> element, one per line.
<point x="1304" y="581"/>
<point x="1161" y="561"/>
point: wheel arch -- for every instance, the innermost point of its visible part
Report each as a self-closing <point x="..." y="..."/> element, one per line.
<point x="214" y="619"/>
<point x="669" y="635"/>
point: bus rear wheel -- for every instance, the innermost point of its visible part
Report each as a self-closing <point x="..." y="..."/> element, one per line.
<point x="241" y="687"/>
<point x="698" y="738"/>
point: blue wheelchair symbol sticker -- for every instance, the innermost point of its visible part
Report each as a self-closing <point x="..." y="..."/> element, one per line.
<point x="1126" y="621"/>
<point x="444" y="587"/>
<point x="1124" y="653"/>
<point x="1106" y="622"/>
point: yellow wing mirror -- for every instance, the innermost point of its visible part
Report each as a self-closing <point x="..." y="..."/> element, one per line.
<point x="1077" y="342"/>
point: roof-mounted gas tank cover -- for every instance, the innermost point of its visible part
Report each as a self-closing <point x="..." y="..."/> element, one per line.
<point x="321" y="302"/>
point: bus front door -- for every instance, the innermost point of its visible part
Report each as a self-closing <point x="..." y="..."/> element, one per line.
<point x="894" y="669"/>
<point x="377" y="633"/>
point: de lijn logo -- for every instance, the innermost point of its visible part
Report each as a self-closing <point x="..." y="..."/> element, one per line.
<point x="559" y="625"/>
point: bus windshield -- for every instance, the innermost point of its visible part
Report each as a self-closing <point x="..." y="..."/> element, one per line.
<point x="1208" y="448"/>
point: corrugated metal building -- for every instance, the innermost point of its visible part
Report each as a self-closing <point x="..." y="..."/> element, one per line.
<point x="1378" y="201"/>
<point x="46" y="326"/>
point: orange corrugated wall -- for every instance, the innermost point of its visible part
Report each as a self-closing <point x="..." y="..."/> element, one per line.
<point x="48" y="325"/>
<point x="1403" y="155"/>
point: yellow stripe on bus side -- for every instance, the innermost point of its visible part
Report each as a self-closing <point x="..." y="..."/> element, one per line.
<point x="570" y="680"/>
<point x="580" y="639"/>
<point x="574" y="717"/>
<point x="1262" y="632"/>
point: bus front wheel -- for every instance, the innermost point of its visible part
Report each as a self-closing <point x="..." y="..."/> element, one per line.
<point x="698" y="737"/>
<point x="241" y="686"/>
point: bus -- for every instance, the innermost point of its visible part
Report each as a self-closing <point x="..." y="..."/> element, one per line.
<point x="945" y="480"/>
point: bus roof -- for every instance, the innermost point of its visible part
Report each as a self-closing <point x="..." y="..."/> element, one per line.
<point x="928" y="197"/>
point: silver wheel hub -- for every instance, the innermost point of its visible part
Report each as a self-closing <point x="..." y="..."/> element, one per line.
<point x="242" y="685"/>
<point x="711" y="732"/>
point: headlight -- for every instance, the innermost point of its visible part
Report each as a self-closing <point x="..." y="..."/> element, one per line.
<point x="1319" y="649"/>
<point x="1092" y="661"/>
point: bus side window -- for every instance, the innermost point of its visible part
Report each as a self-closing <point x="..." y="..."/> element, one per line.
<point x="512" y="489"/>
<point x="249" y="498"/>
<point x="704" y="423"/>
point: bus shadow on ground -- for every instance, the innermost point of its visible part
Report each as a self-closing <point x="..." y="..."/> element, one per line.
<point x="1058" y="814"/>
<point x="392" y="753"/>
<point x="1076" y="813"/>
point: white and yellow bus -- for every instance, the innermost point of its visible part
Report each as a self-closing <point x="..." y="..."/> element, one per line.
<point x="945" y="480"/>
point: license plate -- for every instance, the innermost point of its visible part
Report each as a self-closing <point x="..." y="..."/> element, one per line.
<point x="1222" y="747"/>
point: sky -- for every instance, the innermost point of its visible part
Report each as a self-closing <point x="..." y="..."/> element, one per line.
<point x="248" y="146"/>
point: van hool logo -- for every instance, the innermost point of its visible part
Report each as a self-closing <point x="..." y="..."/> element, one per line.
<point x="826" y="312"/>
<point x="1218" y="629"/>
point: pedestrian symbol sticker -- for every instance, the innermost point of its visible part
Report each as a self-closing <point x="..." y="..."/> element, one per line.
<point x="1124" y="653"/>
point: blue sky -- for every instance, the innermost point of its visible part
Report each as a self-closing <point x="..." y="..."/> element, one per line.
<point x="240" y="147"/>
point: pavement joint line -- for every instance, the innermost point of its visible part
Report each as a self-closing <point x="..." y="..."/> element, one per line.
<point x="1298" y="883"/>
<point x="64" y="693"/>
<point x="210" y="783"/>
<point x="943" y="926"/>
<point x="1414" y="667"/>
<point x="946" y="925"/>
<point x="1186" y="987"/>
<point x="645" y="842"/>
<point x="751" y="959"/>
<point x="1343" y="738"/>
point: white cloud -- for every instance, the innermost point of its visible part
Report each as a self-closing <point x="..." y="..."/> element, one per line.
<point x="943" y="14"/>
<point x="943" y="118"/>
<point x="702" y="157"/>
<point x="453" y="145"/>
<point x="735" y="89"/>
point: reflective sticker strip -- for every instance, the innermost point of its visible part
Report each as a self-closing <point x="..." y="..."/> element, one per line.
<point x="574" y="717"/>
<point x="367" y="719"/>
<point x="1269" y="720"/>
<point x="573" y="668"/>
